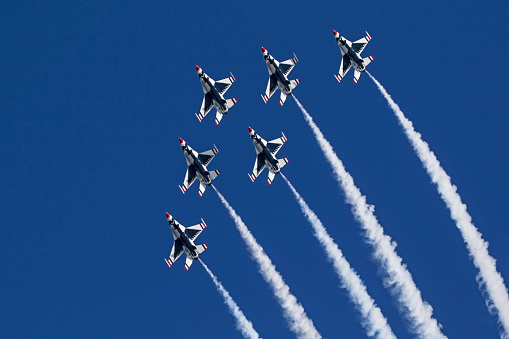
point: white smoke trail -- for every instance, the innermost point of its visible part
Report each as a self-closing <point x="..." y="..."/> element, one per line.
<point x="418" y="312"/>
<point x="373" y="320"/>
<point x="243" y="325"/>
<point x="294" y="313"/>
<point x="497" y="298"/>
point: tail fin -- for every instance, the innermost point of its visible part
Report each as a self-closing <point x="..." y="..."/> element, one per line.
<point x="214" y="174"/>
<point x="367" y="60"/>
<point x="231" y="102"/>
<point x="294" y="83"/>
<point x="201" y="248"/>
<point x="282" y="162"/>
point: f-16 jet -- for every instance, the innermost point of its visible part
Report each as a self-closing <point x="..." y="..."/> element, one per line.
<point x="214" y="91"/>
<point x="197" y="167"/>
<point x="351" y="53"/>
<point x="266" y="155"/>
<point x="278" y="72"/>
<point x="184" y="237"/>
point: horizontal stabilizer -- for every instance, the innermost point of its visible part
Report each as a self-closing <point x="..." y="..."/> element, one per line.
<point x="219" y="116"/>
<point x="201" y="248"/>
<point x="231" y="102"/>
<point x="202" y="188"/>
<point x="189" y="262"/>
<point x="282" y="99"/>
<point x="367" y="60"/>
<point x="356" y="76"/>
<point x="294" y="83"/>
<point x="282" y="162"/>
<point x="271" y="177"/>
<point x="214" y="174"/>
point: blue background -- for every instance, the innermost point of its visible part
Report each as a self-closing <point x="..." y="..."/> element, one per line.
<point x="94" y="97"/>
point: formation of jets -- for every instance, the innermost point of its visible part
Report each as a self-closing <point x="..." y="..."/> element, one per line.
<point x="265" y="150"/>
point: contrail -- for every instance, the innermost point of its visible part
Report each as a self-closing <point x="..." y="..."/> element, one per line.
<point x="373" y="320"/>
<point x="497" y="298"/>
<point x="294" y="313"/>
<point x="243" y="325"/>
<point x="418" y="312"/>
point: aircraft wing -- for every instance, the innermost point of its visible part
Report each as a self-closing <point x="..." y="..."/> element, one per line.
<point x="275" y="145"/>
<point x="189" y="179"/>
<point x="176" y="251"/>
<point x="360" y="44"/>
<point x="206" y="157"/>
<point x="192" y="232"/>
<point x="206" y="106"/>
<point x="258" y="166"/>
<point x="346" y="63"/>
<point x="287" y="65"/>
<point x="223" y="85"/>
<point x="271" y="87"/>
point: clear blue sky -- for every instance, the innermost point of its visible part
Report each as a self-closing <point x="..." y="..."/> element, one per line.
<point x="94" y="98"/>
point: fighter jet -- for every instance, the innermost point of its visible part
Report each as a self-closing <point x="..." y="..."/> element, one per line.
<point x="278" y="72"/>
<point x="266" y="155"/>
<point x="197" y="167"/>
<point x="214" y="91"/>
<point x="184" y="237"/>
<point x="351" y="52"/>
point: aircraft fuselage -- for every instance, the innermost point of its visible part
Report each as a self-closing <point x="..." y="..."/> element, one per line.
<point x="282" y="80"/>
<point x="356" y="60"/>
<point x="270" y="159"/>
<point x="180" y="234"/>
<point x="201" y="172"/>
<point x="218" y="101"/>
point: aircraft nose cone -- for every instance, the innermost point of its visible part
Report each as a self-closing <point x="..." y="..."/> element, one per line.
<point x="167" y="215"/>
<point x="250" y="129"/>
<point x="198" y="68"/>
<point x="264" y="50"/>
<point x="334" y="32"/>
<point x="181" y="141"/>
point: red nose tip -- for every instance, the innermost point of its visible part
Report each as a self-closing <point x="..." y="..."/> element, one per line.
<point x="334" y="32"/>
<point x="264" y="50"/>
<point x="167" y="215"/>
<point x="250" y="129"/>
<point x="197" y="68"/>
<point x="180" y="140"/>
